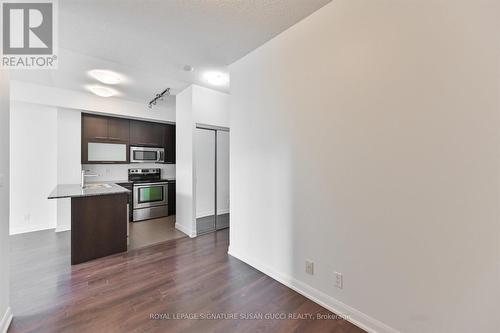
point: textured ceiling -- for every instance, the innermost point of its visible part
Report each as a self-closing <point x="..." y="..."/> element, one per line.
<point x="149" y="41"/>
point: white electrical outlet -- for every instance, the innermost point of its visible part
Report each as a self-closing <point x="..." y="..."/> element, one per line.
<point x="339" y="283"/>
<point x="309" y="267"/>
<point x="27" y="217"/>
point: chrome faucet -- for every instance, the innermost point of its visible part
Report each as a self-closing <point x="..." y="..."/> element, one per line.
<point x="82" y="184"/>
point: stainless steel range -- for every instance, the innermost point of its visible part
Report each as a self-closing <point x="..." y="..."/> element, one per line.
<point x="150" y="194"/>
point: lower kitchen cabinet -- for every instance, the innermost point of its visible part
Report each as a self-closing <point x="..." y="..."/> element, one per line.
<point x="98" y="226"/>
<point x="130" y="202"/>
<point x="171" y="198"/>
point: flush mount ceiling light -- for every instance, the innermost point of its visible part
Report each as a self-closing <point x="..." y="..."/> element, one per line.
<point x="103" y="91"/>
<point x="216" y="78"/>
<point x="105" y="76"/>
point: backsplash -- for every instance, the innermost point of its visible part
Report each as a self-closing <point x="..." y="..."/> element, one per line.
<point x="113" y="172"/>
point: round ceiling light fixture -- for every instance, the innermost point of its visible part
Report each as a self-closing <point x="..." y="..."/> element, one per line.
<point x="106" y="76"/>
<point x="102" y="91"/>
<point x="216" y="78"/>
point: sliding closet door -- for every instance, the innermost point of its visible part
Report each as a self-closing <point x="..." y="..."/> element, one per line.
<point x="204" y="143"/>
<point x="222" y="183"/>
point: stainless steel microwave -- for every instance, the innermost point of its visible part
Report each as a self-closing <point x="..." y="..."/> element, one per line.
<point x="146" y="154"/>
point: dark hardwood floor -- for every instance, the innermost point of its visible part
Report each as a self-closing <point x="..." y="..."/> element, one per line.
<point x="122" y="293"/>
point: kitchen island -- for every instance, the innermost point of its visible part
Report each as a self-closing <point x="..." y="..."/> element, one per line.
<point x="98" y="219"/>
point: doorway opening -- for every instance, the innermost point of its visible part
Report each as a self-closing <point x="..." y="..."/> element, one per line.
<point x="212" y="178"/>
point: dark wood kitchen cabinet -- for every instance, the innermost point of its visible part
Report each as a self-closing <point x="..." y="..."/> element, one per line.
<point x="121" y="131"/>
<point x="94" y="127"/>
<point x="105" y="129"/>
<point x="171" y="198"/>
<point x="169" y="143"/>
<point x="144" y="133"/>
<point x="98" y="226"/>
<point x="98" y="129"/>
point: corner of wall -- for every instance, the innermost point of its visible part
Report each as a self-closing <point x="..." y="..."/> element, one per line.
<point x="184" y="161"/>
<point x="185" y="229"/>
<point x="6" y="320"/>
<point x="5" y="310"/>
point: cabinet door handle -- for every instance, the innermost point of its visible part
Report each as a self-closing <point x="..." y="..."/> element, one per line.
<point x="106" y="138"/>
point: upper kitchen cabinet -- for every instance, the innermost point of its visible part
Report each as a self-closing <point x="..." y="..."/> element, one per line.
<point x="118" y="129"/>
<point x="94" y="127"/>
<point x="146" y="134"/>
<point x="104" y="139"/>
<point x="108" y="139"/>
<point x="108" y="129"/>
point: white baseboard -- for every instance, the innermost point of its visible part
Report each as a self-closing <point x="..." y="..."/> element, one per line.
<point x="223" y="211"/>
<point x="205" y="214"/>
<point x="17" y="231"/>
<point x="63" y="228"/>
<point x="355" y="316"/>
<point x="185" y="230"/>
<point x="6" y="320"/>
<point x="199" y="215"/>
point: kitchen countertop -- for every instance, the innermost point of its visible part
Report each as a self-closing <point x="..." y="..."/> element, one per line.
<point x="75" y="191"/>
<point x="109" y="182"/>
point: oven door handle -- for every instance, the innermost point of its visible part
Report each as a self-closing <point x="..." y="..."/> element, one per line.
<point x="149" y="184"/>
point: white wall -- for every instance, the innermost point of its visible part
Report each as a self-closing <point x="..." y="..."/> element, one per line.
<point x="194" y="105"/>
<point x="69" y="130"/>
<point x="366" y="138"/>
<point x="210" y="107"/>
<point x="5" y="312"/>
<point x="70" y="99"/>
<point x="185" y="207"/>
<point x="33" y="164"/>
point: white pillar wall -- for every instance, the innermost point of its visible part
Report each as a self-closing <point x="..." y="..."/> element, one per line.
<point x="195" y="105"/>
<point x="5" y="310"/>
<point x="68" y="160"/>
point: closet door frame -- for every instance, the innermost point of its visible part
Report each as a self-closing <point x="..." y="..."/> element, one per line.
<point x="215" y="129"/>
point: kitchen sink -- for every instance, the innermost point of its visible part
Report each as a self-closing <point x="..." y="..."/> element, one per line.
<point x="97" y="186"/>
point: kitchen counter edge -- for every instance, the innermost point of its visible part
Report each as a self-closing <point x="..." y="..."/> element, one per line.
<point x="75" y="191"/>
